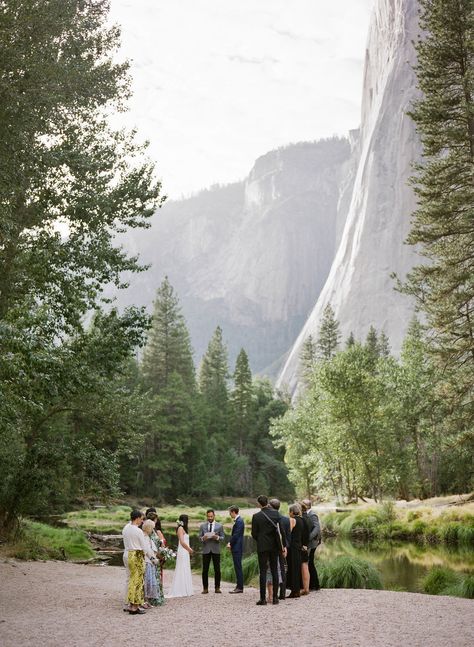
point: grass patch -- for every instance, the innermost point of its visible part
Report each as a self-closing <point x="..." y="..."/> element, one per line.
<point x="348" y="573"/>
<point x="386" y="522"/>
<point x="37" y="541"/>
<point x="444" y="581"/>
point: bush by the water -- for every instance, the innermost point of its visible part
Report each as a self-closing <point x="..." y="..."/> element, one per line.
<point x="37" y="541"/>
<point x="348" y="573"/>
<point x="385" y="522"/>
<point x="444" y="581"/>
<point x="249" y="568"/>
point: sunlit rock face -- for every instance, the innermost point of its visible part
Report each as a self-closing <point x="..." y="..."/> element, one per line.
<point x="359" y="286"/>
<point x="253" y="256"/>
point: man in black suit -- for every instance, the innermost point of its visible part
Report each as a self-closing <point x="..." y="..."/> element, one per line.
<point x="285" y="525"/>
<point x="314" y="541"/>
<point x="265" y="528"/>
<point x="236" y="546"/>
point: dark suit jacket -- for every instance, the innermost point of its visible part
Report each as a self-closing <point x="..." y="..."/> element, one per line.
<point x="285" y="524"/>
<point x="264" y="532"/>
<point x="237" y="537"/>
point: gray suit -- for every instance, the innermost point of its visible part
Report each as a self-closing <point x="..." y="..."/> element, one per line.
<point x="211" y="549"/>
<point x="211" y="545"/>
<point x="315" y="534"/>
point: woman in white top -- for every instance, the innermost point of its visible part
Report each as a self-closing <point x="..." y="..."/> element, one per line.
<point x="182" y="585"/>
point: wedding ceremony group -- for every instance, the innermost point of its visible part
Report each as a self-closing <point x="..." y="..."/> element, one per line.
<point x="285" y="545"/>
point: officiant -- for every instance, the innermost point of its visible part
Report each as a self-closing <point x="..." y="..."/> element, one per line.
<point x="211" y="534"/>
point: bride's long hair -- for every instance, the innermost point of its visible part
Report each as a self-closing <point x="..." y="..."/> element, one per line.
<point x="183" y="522"/>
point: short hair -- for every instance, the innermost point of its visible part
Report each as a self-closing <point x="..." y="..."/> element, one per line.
<point x="295" y="509"/>
<point x="147" y="512"/>
<point x="234" y="508"/>
<point x="304" y="507"/>
<point x="262" y="500"/>
<point x="307" y="503"/>
<point x="136" y="514"/>
<point x="210" y="510"/>
<point x="275" y="503"/>
<point x="148" y="523"/>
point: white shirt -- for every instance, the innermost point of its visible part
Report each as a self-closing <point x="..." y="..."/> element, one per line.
<point x="134" y="539"/>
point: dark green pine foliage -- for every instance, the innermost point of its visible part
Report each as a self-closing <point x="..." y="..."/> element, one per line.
<point x="372" y="344"/>
<point x="308" y="357"/>
<point x="350" y="341"/>
<point x="242" y="404"/>
<point x="221" y="457"/>
<point x="442" y="226"/>
<point x="168" y="374"/>
<point x="329" y="335"/>
<point x="384" y="345"/>
<point x="168" y="349"/>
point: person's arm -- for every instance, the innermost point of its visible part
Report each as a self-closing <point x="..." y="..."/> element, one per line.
<point x="201" y="533"/>
<point x="316" y="529"/>
<point x="220" y="534"/>
<point x="181" y="534"/>
<point x="254" y="528"/>
<point x="146" y="546"/>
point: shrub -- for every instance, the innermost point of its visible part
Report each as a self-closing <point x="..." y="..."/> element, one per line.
<point x="387" y="511"/>
<point x="37" y="541"/>
<point x="467" y="586"/>
<point x="439" y="579"/>
<point x="348" y="573"/>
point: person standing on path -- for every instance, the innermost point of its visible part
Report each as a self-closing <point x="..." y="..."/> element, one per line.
<point x="266" y="530"/>
<point x="211" y="534"/>
<point x="236" y="546"/>
<point x="314" y="541"/>
<point x="136" y="548"/>
<point x="285" y="524"/>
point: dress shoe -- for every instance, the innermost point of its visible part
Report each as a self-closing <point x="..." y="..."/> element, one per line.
<point x="261" y="603"/>
<point x="275" y="601"/>
<point x="237" y="591"/>
<point x="217" y="591"/>
<point x="282" y="596"/>
<point x="293" y="595"/>
<point x="204" y="591"/>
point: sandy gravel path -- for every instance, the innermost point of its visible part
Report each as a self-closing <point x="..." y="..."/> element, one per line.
<point x="68" y="605"/>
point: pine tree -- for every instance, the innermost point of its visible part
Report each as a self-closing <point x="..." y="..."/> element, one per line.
<point x="168" y="348"/>
<point x="329" y="335"/>
<point x="242" y="402"/>
<point x="442" y="226"/>
<point x="213" y="385"/>
<point x="307" y="358"/>
<point x="350" y="341"/>
<point x="384" y="345"/>
<point x="372" y="343"/>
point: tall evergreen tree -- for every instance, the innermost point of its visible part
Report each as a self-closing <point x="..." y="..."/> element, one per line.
<point x="242" y="402"/>
<point x="329" y="335"/>
<point x="307" y="358"/>
<point x="350" y="341"/>
<point x="168" y="348"/>
<point x="372" y="343"/>
<point x="442" y="226"/>
<point x="384" y="345"/>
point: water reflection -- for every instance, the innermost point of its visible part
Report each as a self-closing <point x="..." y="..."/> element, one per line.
<point x="402" y="565"/>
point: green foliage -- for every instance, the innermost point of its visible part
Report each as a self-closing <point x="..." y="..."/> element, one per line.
<point x="329" y="335"/>
<point x="37" y="541"/>
<point x="348" y="573"/>
<point x="249" y="567"/>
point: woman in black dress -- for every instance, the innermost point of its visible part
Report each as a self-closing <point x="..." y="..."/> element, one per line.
<point x="293" y="580"/>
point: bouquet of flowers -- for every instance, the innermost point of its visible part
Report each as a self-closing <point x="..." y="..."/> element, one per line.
<point x="165" y="553"/>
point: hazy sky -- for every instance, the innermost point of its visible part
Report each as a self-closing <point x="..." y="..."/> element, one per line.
<point x="217" y="83"/>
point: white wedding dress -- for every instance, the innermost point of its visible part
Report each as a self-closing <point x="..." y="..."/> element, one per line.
<point x="182" y="585"/>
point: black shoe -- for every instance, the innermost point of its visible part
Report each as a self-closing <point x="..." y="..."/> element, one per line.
<point x="261" y="603"/>
<point x="275" y="601"/>
<point x="282" y="596"/>
<point x="137" y="612"/>
<point x="237" y="591"/>
<point x="217" y="591"/>
<point x="204" y="591"/>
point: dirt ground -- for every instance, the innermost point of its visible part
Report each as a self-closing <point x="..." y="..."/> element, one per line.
<point x="69" y="605"/>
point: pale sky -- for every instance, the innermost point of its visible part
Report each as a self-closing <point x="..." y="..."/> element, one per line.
<point x="217" y="83"/>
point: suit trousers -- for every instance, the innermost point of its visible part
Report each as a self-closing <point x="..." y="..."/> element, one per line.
<point x="216" y="560"/>
<point x="239" y="574"/>
<point x="264" y="558"/>
<point x="313" y="573"/>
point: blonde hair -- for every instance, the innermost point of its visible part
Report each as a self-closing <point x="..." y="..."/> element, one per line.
<point x="148" y="524"/>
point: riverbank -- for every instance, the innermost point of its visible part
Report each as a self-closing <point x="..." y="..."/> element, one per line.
<point x="57" y="604"/>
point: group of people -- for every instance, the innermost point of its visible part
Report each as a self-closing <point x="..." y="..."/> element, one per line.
<point x="286" y="549"/>
<point x="144" y="555"/>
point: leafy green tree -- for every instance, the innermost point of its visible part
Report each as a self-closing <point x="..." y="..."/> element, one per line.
<point x="329" y="335"/>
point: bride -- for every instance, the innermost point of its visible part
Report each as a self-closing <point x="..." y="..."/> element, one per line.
<point x="182" y="579"/>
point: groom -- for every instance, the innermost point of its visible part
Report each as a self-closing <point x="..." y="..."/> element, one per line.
<point x="211" y="534"/>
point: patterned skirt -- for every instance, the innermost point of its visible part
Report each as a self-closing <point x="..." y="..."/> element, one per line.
<point x="153" y="588"/>
<point x="136" y="564"/>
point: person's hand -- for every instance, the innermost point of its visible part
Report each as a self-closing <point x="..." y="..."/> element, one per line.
<point x="228" y="545"/>
<point x="216" y="536"/>
<point x="285" y="552"/>
<point x="191" y="551"/>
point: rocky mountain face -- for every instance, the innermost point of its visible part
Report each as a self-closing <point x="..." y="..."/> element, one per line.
<point x="359" y="286"/>
<point x="252" y="256"/>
